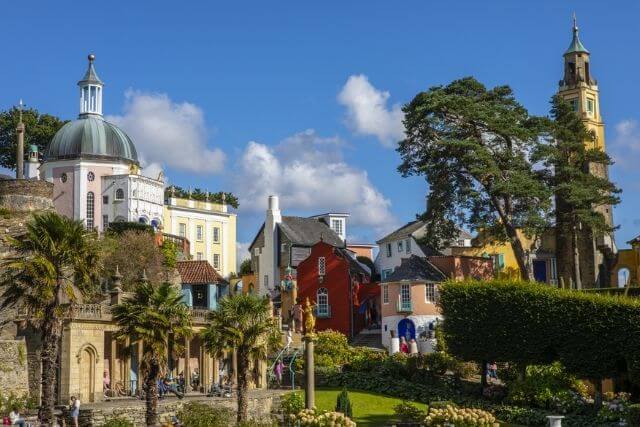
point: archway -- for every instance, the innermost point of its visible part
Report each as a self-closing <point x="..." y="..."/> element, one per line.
<point x="87" y="374"/>
<point x="624" y="275"/>
<point x="406" y="329"/>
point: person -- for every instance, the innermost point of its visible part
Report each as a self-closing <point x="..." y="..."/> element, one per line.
<point x="170" y="387"/>
<point x="404" y="347"/>
<point x="221" y="374"/>
<point x="278" y="371"/>
<point x="298" y="314"/>
<point x="413" y="346"/>
<point x="161" y="388"/>
<point x="195" y="379"/>
<point x="15" y="418"/>
<point x="181" y="383"/>
<point x="289" y="338"/>
<point x="75" y="410"/>
<point x="492" y="371"/>
<point x="106" y="384"/>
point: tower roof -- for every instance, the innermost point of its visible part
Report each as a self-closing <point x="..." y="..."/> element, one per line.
<point x="90" y="76"/>
<point x="576" y="45"/>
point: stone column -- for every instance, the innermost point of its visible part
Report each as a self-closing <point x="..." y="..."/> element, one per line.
<point x="126" y="377"/>
<point x="216" y="369"/>
<point x="138" y="374"/>
<point x="234" y="367"/>
<point x="309" y="395"/>
<point x="187" y="367"/>
<point x="112" y="362"/>
<point x="20" y="149"/>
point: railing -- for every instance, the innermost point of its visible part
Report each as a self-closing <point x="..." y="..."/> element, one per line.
<point x="199" y="315"/>
<point x="322" y="311"/>
<point x="404" y="306"/>
<point x="182" y="242"/>
<point x="91" y="311"/>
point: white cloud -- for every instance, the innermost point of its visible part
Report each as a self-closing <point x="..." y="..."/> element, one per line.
<point x="169" y="133"/>
<point x="309" y="173"/>
<point x="152" y="170"/>
<point x="625" y="146"/>
<point x="367" y="111"/>
<point x="242" y="252"/>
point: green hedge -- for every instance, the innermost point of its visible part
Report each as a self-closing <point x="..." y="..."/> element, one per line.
<point x="593" y="336"/>
<point x="121" y="227"/>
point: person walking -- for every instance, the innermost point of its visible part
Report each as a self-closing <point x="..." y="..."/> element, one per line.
<point x="279" y="369"/>
<point x="74" y="408"/>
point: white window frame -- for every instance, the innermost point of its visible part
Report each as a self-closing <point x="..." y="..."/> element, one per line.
<point x="322" y="266"/>
<point x="266" y="281"/>
<point x="407" y="247"/>
<point x="182" y="229"/>
<point x="430" y="293"/>
<point x="91" y="210"/>
<point x="322" y="302"/>
<point x="216" y="234"/>
<point x="389" y="254"/>
<point x="400" y="246"/>
<point x="386" y="272"/>
<point x="336" y="226"/>
<point x="105" y="222"/>
<point x="216" y="261"/>
<point x="199" y="233"/>
<point x="199" y="256"/>
<point x="385" y="294"/>
<point x="256" y="251"/>
<point x="118" y="195"/>
<point x="592" y="102"/>
<point x="405" y="292"/>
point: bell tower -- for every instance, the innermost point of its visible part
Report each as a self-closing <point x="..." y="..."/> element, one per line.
<point x="580" y="89"/>
<point x="91" y="91"/>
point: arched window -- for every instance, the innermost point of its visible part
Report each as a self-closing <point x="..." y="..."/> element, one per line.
<point x="322" y="302"/>
<point x="119" y="194"/>
<point x="142" y="220"/>
<point x="90" y="209"/>
<point x="251" y="288"/>
<point x="623" y="277"/>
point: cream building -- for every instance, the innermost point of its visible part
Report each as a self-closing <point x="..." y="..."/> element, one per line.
<point x="209" y="227"/>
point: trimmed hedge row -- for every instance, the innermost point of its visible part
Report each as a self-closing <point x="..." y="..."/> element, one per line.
<point x="593" y="336"/>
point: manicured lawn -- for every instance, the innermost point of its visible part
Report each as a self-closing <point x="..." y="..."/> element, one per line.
<point x="369" y="409"/>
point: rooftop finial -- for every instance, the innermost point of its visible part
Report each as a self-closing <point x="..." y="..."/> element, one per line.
<point x="575" y="23"/>
<point x="20" y="105"/>
<point x="576" y="45"/>
<point x="92" y="57"/>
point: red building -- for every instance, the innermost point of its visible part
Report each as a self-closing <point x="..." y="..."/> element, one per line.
<point x="341" y="288"/>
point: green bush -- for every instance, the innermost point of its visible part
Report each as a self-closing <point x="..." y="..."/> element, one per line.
<point x="291" y="403"/>
<point x="196" y="414"/>
<point x="121" y="227"/>
<point x="521" y="416"/>
<point x="118" y="422"/>
<point x="528" y="324"/>
<point x="633" y="415"/>
<point x="331" y="348"/>
<point x="408" y="412"/>
<point x="343" y="404"/>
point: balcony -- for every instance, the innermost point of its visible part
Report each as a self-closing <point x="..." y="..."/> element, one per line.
<point x="404" y="306"/>
<point x="200" y="315"/>
<point x="322" y="312"/>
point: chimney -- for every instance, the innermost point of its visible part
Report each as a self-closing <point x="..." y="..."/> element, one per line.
<point x="268" y="268"/>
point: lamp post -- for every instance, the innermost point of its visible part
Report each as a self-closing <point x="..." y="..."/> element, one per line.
<point x="309" y="336"/>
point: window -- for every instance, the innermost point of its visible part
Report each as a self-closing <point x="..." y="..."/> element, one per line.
<point x="408" y="246"/>
<point x="90" y="209"/>
<point x="430" y="292"/>
<point x="216" y="261"/>
<point x="105" y="222"/>
<point x="256" y="251"/>
<point x="388" y="250"/>
<point x="182" y="227"/>
<point x="119" y="194"/>
<point x="386" y="273"/>
<point x="199" y="233"/>
<point x="405" y="293"/>
<point x="216" y="235"/>
<point x="498" y="262"/>
<point x="400" y="247"/>
<point x="591" y="106"/>
<point x="574" y="103"/>
<point x="322" y="302"/>
<point x="105" y="200"/>
<point x="336" y="225"/>
<point x="385" y="294"/>
<point x="199" y="256"/>
<point x="322" y="265"/>
<point x="266" y="281"/>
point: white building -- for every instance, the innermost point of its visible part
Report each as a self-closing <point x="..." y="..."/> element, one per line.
<point x="132" y="198"/>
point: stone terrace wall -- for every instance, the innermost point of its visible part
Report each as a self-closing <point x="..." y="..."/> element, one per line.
<point x="13" y="367"/>
<point x="26" y="195"/>
<point x="134" y="410"/>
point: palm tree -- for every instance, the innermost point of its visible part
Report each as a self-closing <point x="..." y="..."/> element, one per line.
<point x="244" y="324"/>
<point x="51" y="270"/>
<point x="151" y="316"/>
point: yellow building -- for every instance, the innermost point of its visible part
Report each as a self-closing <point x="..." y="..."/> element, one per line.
<point x="627" y="269"/>
<point x="209" y="227"/>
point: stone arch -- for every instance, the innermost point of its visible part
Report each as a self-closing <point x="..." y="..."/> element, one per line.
<point x="88" y="358"/>
<point x="623" y="276"/>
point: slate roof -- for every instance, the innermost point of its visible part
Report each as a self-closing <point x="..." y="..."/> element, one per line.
<point x="308" y="231"/>
<point x="416" y="269"/>
<point x="410" y="228"/>
<point x="354" y="264"/>
<point x="198" y="272"/>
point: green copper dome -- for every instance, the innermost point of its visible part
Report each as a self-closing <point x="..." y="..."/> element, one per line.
<point x="576" y="45"/>
<point x="91" y="137"/>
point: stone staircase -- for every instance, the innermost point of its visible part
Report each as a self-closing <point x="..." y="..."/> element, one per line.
<point x="371" y="338"/>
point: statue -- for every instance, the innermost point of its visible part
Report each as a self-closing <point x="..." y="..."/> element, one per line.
<point x="309" y="320"/>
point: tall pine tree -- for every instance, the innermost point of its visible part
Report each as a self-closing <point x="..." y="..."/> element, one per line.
<point x="580" y="195"/>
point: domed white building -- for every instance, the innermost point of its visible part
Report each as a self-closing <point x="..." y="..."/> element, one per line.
<point x="95" y="170"/>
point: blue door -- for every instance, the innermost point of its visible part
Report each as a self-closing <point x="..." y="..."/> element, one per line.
<point x="406" y="329"/>
<point x="540" y="271"/>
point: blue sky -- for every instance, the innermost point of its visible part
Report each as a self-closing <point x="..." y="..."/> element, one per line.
<point x="301" y="98"/>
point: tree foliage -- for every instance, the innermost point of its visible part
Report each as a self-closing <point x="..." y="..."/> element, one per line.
<point x="39" y="130"/>
<point x="245" y="267"/>
<point x="473" y="145"/>
<point x="202" y="195"/>
<point x="151" y="317"/>
<point x="54" y="268"/>
<point x="593" y="336"/>
<point x="242" y="323"/>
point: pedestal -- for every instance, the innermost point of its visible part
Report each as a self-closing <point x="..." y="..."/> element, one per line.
<point x="394" y="345"/>
<point x="309" y="394"/>
<point x="555" y="420"/>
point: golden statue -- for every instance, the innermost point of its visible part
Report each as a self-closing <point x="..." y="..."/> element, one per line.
<point x="309" y="320"/>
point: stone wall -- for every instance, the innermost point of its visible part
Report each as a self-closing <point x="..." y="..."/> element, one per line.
<point x="13" y="367"/>
<point x="260" y="407"/>
<point x="26" y="195"/>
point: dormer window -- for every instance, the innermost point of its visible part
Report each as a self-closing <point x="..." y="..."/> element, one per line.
<point x="336" y="225"/>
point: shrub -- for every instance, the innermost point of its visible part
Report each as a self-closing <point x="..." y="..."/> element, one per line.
<point x="121" y="227"/>
<point x="459" y="417"/>
<point x="343" y="404"/>
<point x="311" y="417"/>
<point x="439" y="362"/>
<point x="521" y="416"/>
<point x="615" y="408"/>
<point x="408" y="412"/>
<point x="526" y="323"/>
<point x="332" y="348"/>
<point x="196" y="414"/>
<point x="118" y="422"/>
<point x="633" y="415"/>
<point x="291" y="403"/>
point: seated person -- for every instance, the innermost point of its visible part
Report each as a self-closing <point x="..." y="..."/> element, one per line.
<point x="15" y="417"/>
<point x="171" y="387"/>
